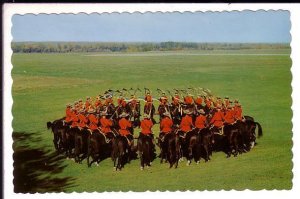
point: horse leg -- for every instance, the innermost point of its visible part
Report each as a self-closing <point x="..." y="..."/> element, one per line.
<point x="177" y="151"/>
<point x="190" y="154"/>
<point x="55" y="141"/>
<point x="170" y="157"/>
<point x="76" y="149"/>
<point x="162" y="150"/>
<point x="205" y="147"/>
<point x="235" y="143"/>
<point x="89" y="153"/>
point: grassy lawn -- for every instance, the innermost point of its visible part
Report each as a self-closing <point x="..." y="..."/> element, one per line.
<point x="44" y="83"/>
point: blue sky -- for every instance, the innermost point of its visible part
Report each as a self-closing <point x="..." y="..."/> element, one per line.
<point x="245" y="26"/>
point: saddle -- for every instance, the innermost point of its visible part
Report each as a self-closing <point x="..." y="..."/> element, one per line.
<point x="107" y="140"/>
<point x="128" y="141"/>
<point x="91" y="132"/>
<point x="220" y="131"/>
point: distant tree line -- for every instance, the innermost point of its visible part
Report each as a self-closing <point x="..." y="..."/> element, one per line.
<point x="70" y="47"/>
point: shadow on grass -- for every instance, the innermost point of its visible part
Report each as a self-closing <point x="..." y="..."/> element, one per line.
<point x="36" y="169"/>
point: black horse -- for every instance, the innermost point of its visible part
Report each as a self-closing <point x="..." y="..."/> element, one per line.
<point x="69" y="141"/>
<point x="248" y="133"/>
<point x="99" y="147"/>
<point x="205" y="144"/>
<point x="81" y="144"/>
<point x="123" y="151"/>
<point x="169" y="148"/>
<point x="59" y="129"/>
<point x="226" y="139"/>
<point x="145" y="149"/>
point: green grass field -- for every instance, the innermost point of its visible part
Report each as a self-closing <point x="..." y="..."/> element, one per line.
<point x="44" y="83"/>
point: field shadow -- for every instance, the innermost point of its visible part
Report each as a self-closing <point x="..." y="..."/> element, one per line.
<point x="35" y="168"/>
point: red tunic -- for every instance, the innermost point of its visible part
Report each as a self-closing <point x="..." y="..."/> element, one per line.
<point x="188" y="100"/>
<point x="238" y="113"/>
<point x="98" y="103"/>
<point x="166" y="125"/>
<point x="208" y="103"/>
<point x="74" y="120"/>
<point x="146" y="126"/>
<point x="176" y="99"/>
<point x="105" y="125"/>
<point x="200" y="122"/>
<point x="87" y="105"/>
<point x="198" y="101"/>
<point x="82" y="120"/>
<point x="93" y="122"/>
<point x="229" y="117"/>
<point x="124" y="125"/>
<point x="68" y="114"/>
<point x="186" y="123"/>
<point x="217" y="119"/>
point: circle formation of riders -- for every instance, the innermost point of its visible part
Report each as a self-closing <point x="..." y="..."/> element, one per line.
<point x="190" y="125"/>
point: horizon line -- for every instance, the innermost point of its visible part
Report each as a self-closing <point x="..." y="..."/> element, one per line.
<point x="157" y="42"/>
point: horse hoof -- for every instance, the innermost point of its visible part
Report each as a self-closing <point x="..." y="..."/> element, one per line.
<point x="150" y="163"/>
<point x="197" y="162"/>
<point x="188" y="163"/>
<point x="147" y="167"/>
<point x="141" y="168"/>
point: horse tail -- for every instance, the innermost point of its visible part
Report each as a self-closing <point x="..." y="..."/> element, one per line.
<point x="260" y="133"/>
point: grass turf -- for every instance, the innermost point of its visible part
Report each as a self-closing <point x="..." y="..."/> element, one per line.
<point x="44" y="83"/>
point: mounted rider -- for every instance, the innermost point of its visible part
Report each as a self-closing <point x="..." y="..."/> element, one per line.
<point x="176" y="99"/>
<point x="98" y="103"/>
<point x="186" y="124"/>
<point x="88" y="103"/>
<point x="124" y="125"/>
<point x="122" y="106"/>
<point x="69" y="113"/>
<point x="226" y="103"/>
<point x="74" y="116"/>
<point x="217" y="120"/>
<point x="93" y="120"/>
<point x="201" y="120"/>
<point x="105" y="126"/>
<point x="229" y="116"/>
<point x="146" y="126"/>
<point x="149" y="107"/>
<point x="198" y="102"/>
<point x="133" y="102"/>
<point x="208" y="105"/>
<point x="109" y="100"/>
<point x="189" y="101"/>
<point x="163" y="99"/>
<point x="80" y="105"/>
<point x="238" y="111"/>
<point x="83" y="120"/>
<point x="166" y="125"/>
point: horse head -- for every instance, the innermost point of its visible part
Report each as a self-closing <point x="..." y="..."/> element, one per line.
<point x="49" y="125"/>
